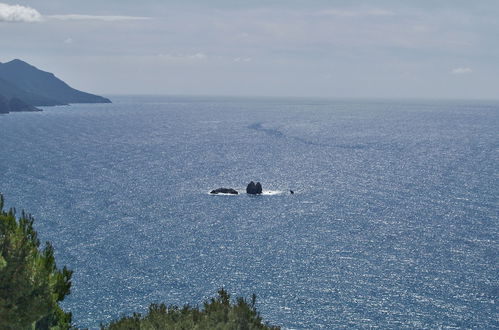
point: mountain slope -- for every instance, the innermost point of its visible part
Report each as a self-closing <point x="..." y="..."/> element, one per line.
<point x="42" y="88"/>
<point x="4" y="105"/>
<point x="8" y="91"/>
<point x="14" y="105"/>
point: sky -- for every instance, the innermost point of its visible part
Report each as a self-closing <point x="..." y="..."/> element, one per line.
<point x="309" y="48"/>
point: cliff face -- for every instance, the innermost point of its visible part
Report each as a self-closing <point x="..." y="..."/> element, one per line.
<point x="25" y="87"/>
<point x="14" y="105"/>
<point x="4" y="105"/>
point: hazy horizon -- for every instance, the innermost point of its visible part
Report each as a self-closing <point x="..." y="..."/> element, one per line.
<point x="327" y="49"/>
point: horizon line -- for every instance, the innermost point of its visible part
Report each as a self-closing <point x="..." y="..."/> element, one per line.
<point x="241" y="96"/>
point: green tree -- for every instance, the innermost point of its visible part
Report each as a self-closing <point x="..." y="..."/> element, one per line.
<point x="31" y="286"/>
<point x="218" y="313"/>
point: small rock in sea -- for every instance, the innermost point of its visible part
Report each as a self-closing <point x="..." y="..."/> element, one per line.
<point x="254" y="189"/>
<point x="224" y="191"/>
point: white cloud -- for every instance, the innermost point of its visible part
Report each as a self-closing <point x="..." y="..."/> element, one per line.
<point x="17" y="13"/>
<point x="243" y="59"/>
<point x="68" y="41"/>
<point x="198" y="56"/>
<point x="107" y="18"/>
<point x="461" y="71"/>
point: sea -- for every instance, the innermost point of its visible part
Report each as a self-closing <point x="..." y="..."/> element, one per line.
<point x="394" y="220"/>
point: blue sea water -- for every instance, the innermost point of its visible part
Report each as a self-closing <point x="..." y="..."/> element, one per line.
<point x="393" y="224"/>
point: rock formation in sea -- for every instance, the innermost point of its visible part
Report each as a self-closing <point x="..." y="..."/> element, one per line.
<point x="254" y="189"/>
<point x="224" y="191"/>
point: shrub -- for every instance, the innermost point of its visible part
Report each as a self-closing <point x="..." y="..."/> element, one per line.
<point x="217" y="313"/>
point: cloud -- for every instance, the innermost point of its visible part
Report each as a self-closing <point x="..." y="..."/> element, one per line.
<point x="180" y="57"/>
<point x="461" y="71"/>
<point x="17" y="13"/>
<point x="107" y="18"/>
<point x="243" y="59"/>
<point x="68" y="41"/>
<point x="198" y="56"/>
<point x="354" y="12"/>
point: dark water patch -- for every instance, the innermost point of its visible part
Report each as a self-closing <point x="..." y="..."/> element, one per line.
<point x="259" y="126"/>
<point x="269" y="131"/>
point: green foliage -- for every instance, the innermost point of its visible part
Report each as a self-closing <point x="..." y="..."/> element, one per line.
<point x="30" y="283"/>
<point x="218" y="313"/>
<point x="31" y="287"/>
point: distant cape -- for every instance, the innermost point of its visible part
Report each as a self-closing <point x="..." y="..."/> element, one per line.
<point x="23" y="87"/>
